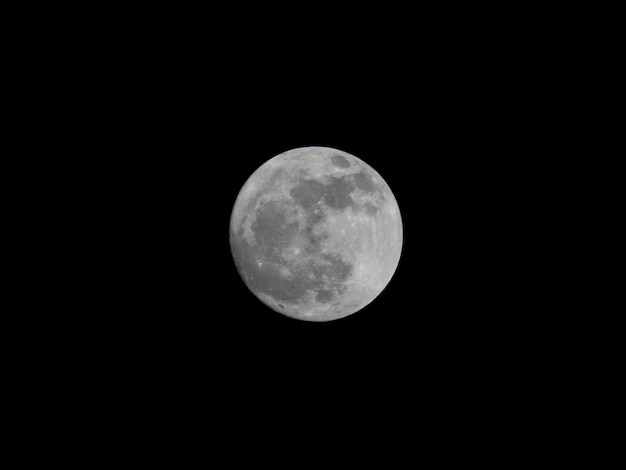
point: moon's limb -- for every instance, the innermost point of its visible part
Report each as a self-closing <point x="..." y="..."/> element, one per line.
<point x="316" y="233"/>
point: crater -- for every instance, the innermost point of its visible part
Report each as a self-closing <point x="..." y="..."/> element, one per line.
<point x="340" y="161"/>
<point x="371" y="209"/>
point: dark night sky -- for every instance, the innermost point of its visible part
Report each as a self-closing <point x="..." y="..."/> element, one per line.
<point x="440" y="152"/>
<point x="172" y="128"/>
<point x="147" y="120"/>
<point x="182" y="135"/>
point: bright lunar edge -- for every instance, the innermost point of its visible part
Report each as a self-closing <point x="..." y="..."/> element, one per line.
<point x="316" y="233"/>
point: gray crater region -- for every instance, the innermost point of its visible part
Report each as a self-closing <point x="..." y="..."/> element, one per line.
<point x="316" y="234"/>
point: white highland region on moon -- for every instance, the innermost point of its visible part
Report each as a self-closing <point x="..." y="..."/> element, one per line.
<point x="316" y="233"/>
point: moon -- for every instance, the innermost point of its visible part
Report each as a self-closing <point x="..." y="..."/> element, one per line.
<point x="316" y="233"/>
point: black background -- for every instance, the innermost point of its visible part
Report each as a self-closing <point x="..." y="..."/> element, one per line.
<point x="453" y="314"/>
<point x="160" y="123"/>
<point x="184" y="130"/>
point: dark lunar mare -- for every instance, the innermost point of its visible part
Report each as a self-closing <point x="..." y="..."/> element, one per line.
<point x="337" y="193"/>
<point x="271" y="230"/>
<point x="336" y="271"/>
<point x="307" y="192"/>
<point x="364" y="182"/>
<point x="371" y="209"/>
<point x="314" y="217"/>
<point x="314" y="238"/>
<point x="340" y="161"/>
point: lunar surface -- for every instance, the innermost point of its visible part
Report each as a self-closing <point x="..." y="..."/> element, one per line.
<point x="316" y="233"/>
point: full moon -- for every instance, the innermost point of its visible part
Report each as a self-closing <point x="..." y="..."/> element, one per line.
<point x="316" y="233"/>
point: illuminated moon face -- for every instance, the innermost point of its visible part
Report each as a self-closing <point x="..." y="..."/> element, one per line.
<point x="316" y="233"/>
